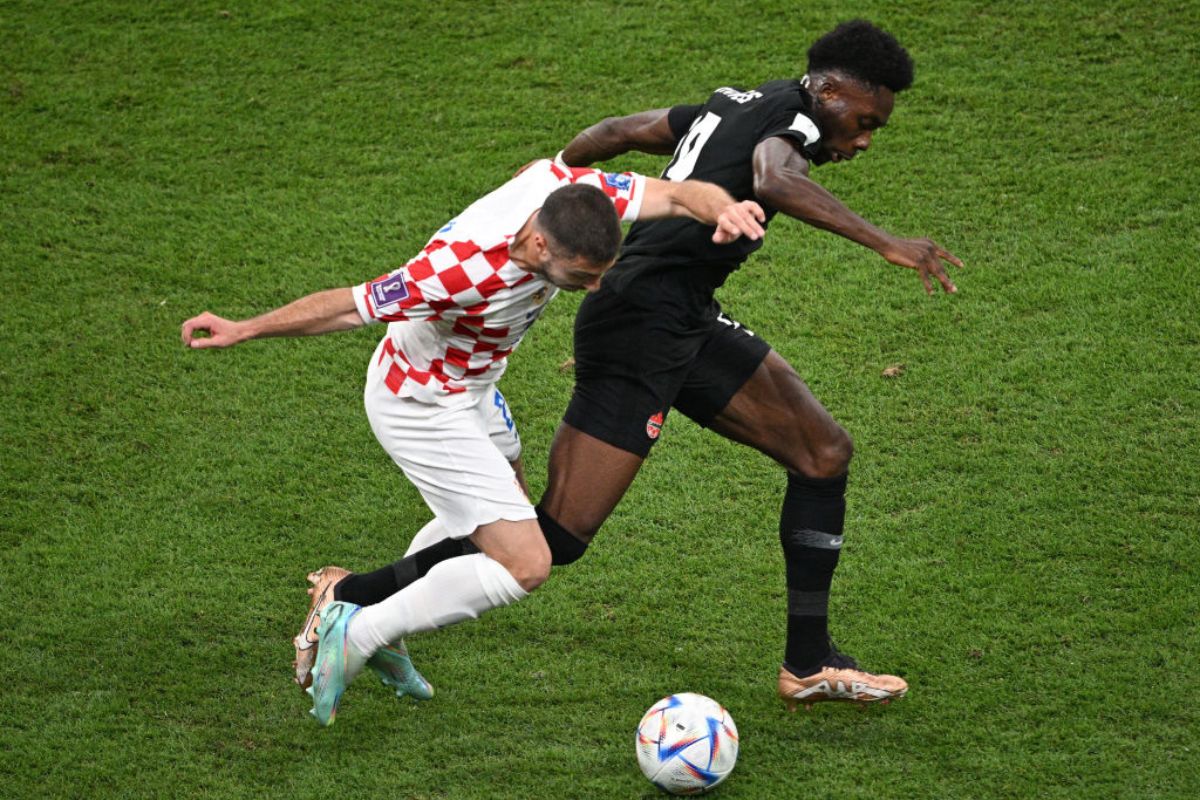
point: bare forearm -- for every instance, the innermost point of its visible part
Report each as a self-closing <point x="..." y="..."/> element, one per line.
<point x="701" y="201"/>
<point x="706" y="203"/>
<point x="320" y="312"/>
<point x="781" y="181"/>
<point x="813" y="204"/>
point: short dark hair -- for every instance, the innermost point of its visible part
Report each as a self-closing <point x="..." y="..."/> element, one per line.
<point x="582" y="223"/>
<point x="865" y="52"/>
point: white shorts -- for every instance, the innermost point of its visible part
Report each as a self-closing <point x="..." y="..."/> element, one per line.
<point x="456" y="453"/>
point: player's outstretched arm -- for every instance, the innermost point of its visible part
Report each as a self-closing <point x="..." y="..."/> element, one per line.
<point x="320" y="312"/>
<point x="781" y="181"/>
<point x="646" y="132"/>
<point x="704" y="202"/>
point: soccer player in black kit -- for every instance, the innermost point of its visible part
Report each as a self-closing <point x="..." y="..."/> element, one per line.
<point x="654" y="338"/>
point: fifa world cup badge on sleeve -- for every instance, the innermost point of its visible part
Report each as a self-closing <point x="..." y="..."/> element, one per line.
<point x="389" y="291"/>
<point x="619" y="181"/>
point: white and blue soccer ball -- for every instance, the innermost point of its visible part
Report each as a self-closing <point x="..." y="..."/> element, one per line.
<point x="687" y="743"/>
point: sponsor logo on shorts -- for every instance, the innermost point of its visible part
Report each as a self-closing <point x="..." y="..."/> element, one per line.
<point x="390" y="290"/>
<point x="654" y="425"/>
<point x="733" y="323"/>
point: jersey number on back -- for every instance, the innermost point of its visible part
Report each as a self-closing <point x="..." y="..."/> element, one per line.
<point x="689" y="148"/>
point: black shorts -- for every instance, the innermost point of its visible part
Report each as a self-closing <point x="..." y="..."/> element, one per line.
<point x="635" y="359"/>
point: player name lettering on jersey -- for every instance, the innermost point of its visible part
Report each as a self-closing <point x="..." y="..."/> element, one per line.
<point x="712" y="139"/>
<point x="738" y="96"/>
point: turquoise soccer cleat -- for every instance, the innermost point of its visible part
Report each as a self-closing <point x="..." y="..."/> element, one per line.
<point x="337" y="661"/>
<point x="396" y="670"/>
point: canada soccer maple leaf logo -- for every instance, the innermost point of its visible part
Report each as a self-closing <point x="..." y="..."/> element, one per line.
<point x="654" y="425"/>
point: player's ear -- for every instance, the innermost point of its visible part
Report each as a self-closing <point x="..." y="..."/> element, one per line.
<point x="828" y="87"/>
<point x="536" y="237"/>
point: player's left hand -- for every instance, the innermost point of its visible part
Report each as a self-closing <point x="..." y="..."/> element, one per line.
<point x="738" y="220"/>
<point x="926" y="257"/>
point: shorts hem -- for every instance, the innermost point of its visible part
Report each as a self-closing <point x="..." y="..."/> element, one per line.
<point x="510" y="515"/>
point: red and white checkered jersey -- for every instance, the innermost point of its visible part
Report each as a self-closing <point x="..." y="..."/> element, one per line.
<point x="461" y="306"/>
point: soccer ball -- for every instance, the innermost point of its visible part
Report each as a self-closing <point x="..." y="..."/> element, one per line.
<point x="687" y="743"/>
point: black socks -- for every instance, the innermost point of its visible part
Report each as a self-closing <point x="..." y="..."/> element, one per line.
<point x="810" y="529"/>
<point x="368" y="588"/>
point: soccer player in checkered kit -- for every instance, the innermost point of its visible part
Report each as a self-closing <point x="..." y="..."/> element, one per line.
<point x="758" y="144"/>
<point x="455" y="312"/>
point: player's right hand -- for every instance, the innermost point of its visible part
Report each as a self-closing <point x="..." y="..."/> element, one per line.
<point x="738" y="220"/>
<point x="925" y="256"/>
<point x="220" y="332"/>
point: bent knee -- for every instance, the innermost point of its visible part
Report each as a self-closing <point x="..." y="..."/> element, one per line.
<point x="826" y="458"/>
<point x="832" y="458"/>
<point x="532" y="569"/>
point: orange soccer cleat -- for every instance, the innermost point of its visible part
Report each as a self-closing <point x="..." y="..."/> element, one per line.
<point x="838" y="678"/>
<point x="323" y="581"/>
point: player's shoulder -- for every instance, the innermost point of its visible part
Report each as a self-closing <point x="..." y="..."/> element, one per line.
<point x="776" y="93"/>
<point x="782" y="87"/>
<point x="502" y="211"/>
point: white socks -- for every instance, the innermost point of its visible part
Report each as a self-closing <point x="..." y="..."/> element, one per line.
<point x="455" y="590"/>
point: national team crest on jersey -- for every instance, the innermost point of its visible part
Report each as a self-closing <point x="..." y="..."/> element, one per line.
<point x="654" y="425"/>
<point x="389" y="290"/>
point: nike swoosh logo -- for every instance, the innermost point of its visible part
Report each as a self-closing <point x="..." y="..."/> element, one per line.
<point x="310" y="630"/>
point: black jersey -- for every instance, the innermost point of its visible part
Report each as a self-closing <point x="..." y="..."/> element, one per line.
<point x="716" y="144"/>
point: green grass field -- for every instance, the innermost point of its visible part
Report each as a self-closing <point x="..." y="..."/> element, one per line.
<point x="1025" y="498"/>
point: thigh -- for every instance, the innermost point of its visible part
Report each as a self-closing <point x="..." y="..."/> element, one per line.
<point x="446" y="452"/>
<point x="587" y="478"/>
<point x="730" y="356"/>
<point x="630" y="362"/>
<point x="775" y="413"/>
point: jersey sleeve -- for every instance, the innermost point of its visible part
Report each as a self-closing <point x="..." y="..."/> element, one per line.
<point x="391" y="297"/>
<point x="679" y="118"/>
<point x="796" y="125"/>
<point x="438" y="284"/>
<point x="625" y="189"/>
